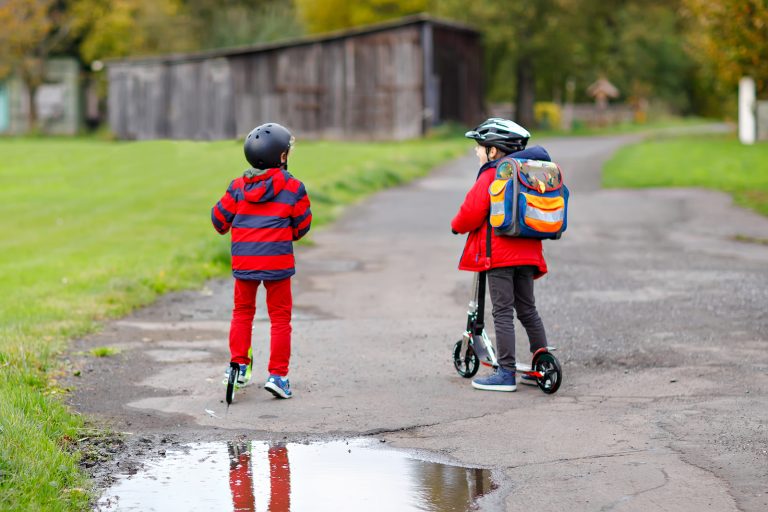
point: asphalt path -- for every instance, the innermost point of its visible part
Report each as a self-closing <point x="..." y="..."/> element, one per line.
<point x="659" y="313"/>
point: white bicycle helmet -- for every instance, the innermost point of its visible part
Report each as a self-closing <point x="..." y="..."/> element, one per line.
<point x="503" y="134"/>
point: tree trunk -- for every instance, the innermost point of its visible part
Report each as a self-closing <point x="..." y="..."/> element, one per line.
<point x="32" y="74"/>
<point x="526" y="93"/>
<point x="32" y="113"/>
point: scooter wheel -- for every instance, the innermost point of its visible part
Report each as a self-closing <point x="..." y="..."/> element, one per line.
<point x="468" y="365"/>
<point x="234" y="371"/>
<point x="549" y="366"/>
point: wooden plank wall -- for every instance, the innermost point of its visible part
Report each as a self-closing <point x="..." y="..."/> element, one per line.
<point x="364" y="87"/>
<point x="367" y="86"/>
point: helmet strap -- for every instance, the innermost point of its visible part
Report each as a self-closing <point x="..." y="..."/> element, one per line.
<point x="488" y="153"/>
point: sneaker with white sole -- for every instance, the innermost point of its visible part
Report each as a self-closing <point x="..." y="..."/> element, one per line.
<point x="243" y="378"/>
<point x="278" y="386"/>
<point x="501" y="380"/>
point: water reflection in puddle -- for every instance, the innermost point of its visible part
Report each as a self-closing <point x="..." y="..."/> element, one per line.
<point x="335" y="476"/>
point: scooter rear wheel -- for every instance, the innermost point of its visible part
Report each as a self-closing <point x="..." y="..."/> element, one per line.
<point x="468" y="365"/>
<point x="549" y="367"/>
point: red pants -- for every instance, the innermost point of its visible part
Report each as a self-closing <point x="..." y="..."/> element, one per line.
<point x="279" y="306"/>
<point x="241" y="479"/>
<point x="279" y="479"/>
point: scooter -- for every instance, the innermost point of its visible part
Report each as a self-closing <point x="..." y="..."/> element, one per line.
<point x="233" y="373"/>
<point x="475" y="348"/>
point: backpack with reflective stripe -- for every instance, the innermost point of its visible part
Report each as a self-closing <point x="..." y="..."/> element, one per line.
<point x="528" y="199"/>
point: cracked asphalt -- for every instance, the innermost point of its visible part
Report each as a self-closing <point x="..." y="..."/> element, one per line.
<point x="659" y="314"/>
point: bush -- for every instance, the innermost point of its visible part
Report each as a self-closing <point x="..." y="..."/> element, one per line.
<point x="548" y="115"/>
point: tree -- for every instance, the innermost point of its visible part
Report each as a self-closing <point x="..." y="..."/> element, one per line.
<point x="614" y="40"/>
<point x="31" y="30"/>
<point x="534" y="48"/>
<point x="118" y="28"/>
<point x="339" y="14"/>
<point x="223" y="23"/>
<point x="523" y="41"/>
<point x="731" y="37"/>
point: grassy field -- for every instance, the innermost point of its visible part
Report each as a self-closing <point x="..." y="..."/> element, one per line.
<point x="92" y="229"/>
<point x="660" y="123"/>
<point x="717" y="162"/>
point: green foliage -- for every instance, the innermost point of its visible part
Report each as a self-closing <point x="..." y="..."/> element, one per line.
<point x="25" y="27"/>
<point x="730" y="37"/>
<point x="30" y="31"/>
<point x="95" y="228"/>
<point x="111" y="29"/>
<point x="340" y="14"/>
<point x="522" y="39"/>
<point x="225" y="23"/>
<point x="579" y="40"/>
<point x="715" y="162"/>
<point x="642" y="63"/>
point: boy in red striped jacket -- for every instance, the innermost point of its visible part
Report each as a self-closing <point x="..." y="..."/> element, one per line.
<point x="266" y="209"/>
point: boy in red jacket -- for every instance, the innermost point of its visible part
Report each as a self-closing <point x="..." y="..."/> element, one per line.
<point x="266" y="209"/>
<point x="512" y="263"/>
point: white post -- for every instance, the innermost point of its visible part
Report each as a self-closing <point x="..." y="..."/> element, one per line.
<point x="747" y="124"/>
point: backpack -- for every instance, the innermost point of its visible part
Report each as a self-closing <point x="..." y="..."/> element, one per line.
<point x="528" y="199"/>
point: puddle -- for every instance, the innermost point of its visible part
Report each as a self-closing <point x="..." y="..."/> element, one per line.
<point x="335" y="476"/>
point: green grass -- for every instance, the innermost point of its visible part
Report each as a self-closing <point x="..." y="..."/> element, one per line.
<point x="103" y="351"/>
<point x="716" y="162"/>
<point x="652" y="126"/>
<point x="92" y="229"/>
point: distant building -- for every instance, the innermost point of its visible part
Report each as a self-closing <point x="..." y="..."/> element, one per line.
<point x="57" y="101"/>
<point x="389" y="81"/>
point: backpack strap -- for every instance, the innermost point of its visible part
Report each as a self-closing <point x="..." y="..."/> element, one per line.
<point x="488" y="245"/>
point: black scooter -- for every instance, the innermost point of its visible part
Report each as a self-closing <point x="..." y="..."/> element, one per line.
<point x="475" y="348"/>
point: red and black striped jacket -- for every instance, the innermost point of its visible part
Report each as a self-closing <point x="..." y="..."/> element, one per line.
<point x="266" y="213"/>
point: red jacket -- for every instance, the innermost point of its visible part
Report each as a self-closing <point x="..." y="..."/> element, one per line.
<point x="506" y="251"/>
<point x="266" y="214"/>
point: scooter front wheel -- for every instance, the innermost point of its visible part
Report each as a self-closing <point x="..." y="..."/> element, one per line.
<point x="552" y="375"/>
<point x="467" y="365"/>
<point x="234" y="371"/>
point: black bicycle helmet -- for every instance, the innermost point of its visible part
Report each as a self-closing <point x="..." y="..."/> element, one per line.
<point x="265" y="144"/>
<point x="503" y="134"/>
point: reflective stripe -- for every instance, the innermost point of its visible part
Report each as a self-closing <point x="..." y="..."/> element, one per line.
<point x="545" y="203"/>
<point x="497" y="191"/>
<point x="544" y="214"/>
<point x="535" y="213"/>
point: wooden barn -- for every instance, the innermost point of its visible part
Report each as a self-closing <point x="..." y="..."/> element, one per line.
<point x="388" y="81"/>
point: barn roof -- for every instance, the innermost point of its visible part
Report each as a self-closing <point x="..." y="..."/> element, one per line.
<point x="417" y="19"/>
